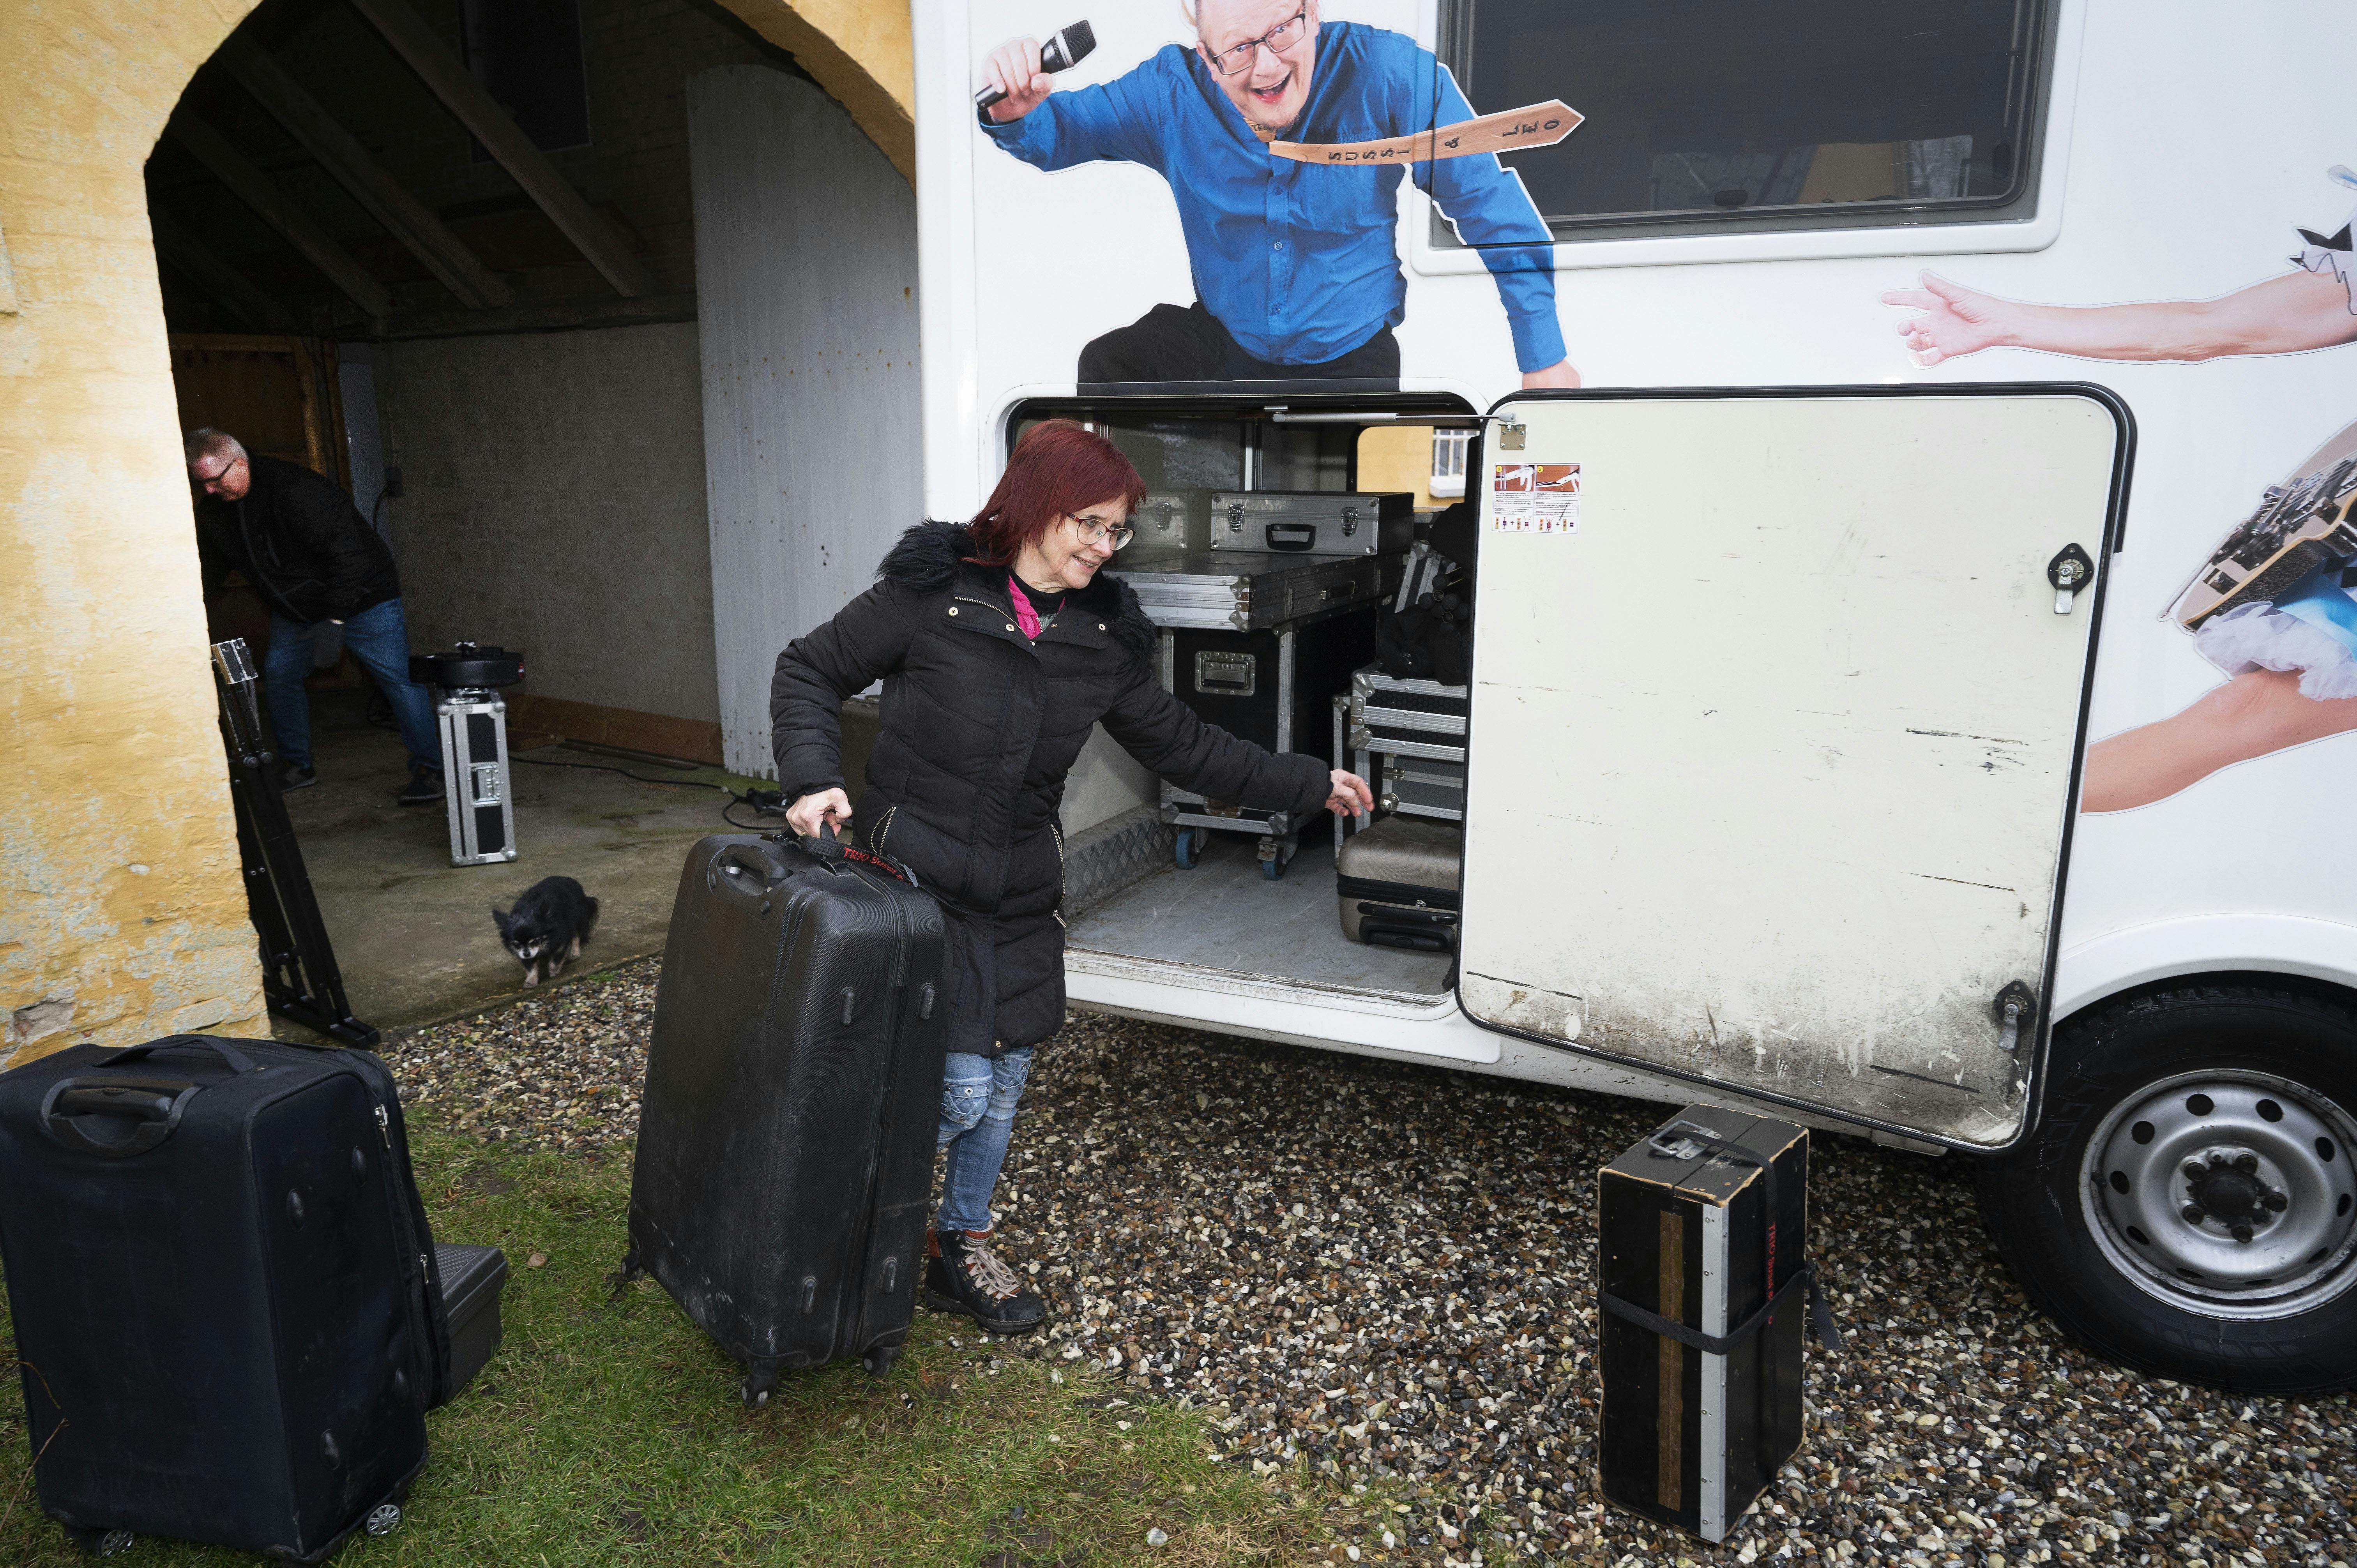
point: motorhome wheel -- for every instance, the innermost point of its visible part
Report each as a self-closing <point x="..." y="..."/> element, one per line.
<point x="2187" y="1203"/>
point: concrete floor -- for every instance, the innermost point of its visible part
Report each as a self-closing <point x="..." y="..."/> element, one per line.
<point x="413" y="933"/>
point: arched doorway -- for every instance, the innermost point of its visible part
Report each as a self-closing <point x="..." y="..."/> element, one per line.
<point x="121" y="911"/>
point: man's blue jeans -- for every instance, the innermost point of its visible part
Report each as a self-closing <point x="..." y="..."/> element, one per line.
<point x="378" y="639"/>
<point x="978" y="1099"/>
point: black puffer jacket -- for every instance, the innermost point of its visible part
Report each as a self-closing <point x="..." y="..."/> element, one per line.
<point x="980" y="726"/>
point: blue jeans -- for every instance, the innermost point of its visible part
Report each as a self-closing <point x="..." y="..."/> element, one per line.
<point x="378" y="639"/>
<point x="979" y="1100"/>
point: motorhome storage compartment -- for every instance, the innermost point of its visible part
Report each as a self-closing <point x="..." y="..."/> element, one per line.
<point x="1313" y="522"/>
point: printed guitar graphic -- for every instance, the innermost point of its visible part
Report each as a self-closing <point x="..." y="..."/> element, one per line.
<point x="1534" y="125"/>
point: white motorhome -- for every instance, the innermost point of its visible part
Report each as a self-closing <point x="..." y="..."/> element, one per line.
<point x="1929" y="717"/>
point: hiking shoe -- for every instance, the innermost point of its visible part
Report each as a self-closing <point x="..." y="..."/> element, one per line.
<point x="423" y="788"/>
<point x="292" y="778"/>
<point x="962" y="1274"/>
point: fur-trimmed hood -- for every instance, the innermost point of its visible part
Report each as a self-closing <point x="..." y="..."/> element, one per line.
<point x="931" y="557"/>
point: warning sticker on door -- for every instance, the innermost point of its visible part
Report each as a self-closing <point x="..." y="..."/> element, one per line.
<point x="1535" y="497"/>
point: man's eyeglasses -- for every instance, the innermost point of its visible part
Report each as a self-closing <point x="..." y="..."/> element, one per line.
<point x="206" y="481"/>
<point x="1096" y="531"/>
<point x="1279" y="38"/>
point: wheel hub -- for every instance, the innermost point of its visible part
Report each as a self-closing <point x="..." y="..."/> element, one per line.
<point x="2232" y="1191"/>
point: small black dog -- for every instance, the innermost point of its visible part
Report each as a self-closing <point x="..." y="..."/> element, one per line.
<point x="547" y="926"/>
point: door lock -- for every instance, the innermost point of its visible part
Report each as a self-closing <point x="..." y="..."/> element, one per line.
<point x="2070" y="572"/>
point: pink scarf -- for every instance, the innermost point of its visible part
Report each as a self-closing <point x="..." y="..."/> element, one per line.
<point x="1025" y="616"/>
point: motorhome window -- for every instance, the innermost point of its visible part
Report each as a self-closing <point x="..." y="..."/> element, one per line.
<point x="1706" y="115"/>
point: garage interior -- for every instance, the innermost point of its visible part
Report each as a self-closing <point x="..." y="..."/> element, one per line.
<point x="452" y="253"/>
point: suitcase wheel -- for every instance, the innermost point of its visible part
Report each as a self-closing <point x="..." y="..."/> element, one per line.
<point x="757" y="1387"/>
<point x="1188" y="847"/>
<point x="102" y="1542"/>
<point x="879" y="1360"/>
<point x="383" y="1520"/>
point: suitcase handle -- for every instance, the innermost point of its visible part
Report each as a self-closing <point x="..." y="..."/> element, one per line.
<point x="238" y="1060"/>
<point x="820" y="847"/>
<point x="1300" y="536"/>
<point x="152" y="1106"/>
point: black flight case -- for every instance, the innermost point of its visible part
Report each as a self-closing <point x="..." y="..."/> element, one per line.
<point x="1259" y="644"/>
<point x="1704" y="1290"/>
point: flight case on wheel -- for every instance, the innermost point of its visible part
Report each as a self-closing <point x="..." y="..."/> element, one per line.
<point x="794" y="1093"/>
<point x="228" y="1314"/>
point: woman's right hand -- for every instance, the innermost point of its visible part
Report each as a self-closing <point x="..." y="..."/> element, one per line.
<point x="818" y="815"/>
<point x="1013" y="69"/>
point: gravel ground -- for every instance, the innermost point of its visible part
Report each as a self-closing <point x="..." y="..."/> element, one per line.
<point x="1385" y="1273"/>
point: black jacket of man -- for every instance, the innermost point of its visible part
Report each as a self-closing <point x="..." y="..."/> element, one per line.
<point x="297" y="539"/>
<point x="980" y="726"/>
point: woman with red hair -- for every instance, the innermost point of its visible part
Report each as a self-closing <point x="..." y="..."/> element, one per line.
<point x="1001" y="644"/>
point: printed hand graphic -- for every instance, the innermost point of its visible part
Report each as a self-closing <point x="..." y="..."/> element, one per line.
<point x="1014" y="69"/>
<point x="1957" y="320"/>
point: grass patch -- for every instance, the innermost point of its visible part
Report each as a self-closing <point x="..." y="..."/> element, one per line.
<point x="610" y="1433"/>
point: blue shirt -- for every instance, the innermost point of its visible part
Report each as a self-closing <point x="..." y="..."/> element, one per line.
<point x="1298" y="261"/>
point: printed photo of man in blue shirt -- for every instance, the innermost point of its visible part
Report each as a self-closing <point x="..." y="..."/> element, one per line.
<point x="1296" y="268"/>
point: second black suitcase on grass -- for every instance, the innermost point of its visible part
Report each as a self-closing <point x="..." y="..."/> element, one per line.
<point x="226" y="1310"/>
<point x="793" y="1098"/>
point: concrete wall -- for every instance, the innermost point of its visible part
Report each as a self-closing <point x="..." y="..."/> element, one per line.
<point x="122" y="912"/>
<point x="555" y="503"/>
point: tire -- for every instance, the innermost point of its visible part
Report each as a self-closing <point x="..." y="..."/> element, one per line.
<point x="2187" y="1204"/>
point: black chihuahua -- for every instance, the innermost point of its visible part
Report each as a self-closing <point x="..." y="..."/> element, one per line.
<point x="547" y="926"/>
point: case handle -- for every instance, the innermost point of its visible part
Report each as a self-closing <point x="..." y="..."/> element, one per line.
<point x="829" y="849"/>
<point x="1299" y="536"/>
<point x="137" y="1113"/>
<point x="237" y="1059"/>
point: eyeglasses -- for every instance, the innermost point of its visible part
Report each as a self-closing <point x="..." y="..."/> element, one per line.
<point x="206" y="481"/>
<point x="1096" y="531"/>
<point x="1278" y="39"/>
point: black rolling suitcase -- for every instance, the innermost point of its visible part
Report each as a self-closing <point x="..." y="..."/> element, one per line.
<point x="793" y="1094"/>
<point x="226" y="1306"/>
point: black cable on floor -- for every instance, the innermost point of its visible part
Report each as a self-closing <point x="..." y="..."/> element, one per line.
<point x="768" y="802"/>
<point x="602" y="768"/>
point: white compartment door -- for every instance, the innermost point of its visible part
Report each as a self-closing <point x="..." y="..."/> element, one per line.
<point x="1774" y="730"/>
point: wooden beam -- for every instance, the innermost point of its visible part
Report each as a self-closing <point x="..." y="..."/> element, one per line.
<point x="339" y="152"/>
<point x="257" y="191"/>
<point x="245" y="298"/>
<point x="448" y="80"/>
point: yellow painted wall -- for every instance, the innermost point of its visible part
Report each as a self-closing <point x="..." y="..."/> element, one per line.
<point x="860" y="52"/>
<point x="122" y="913"/>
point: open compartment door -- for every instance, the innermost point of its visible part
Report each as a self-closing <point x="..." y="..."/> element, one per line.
<point x="1775" y="730"/>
